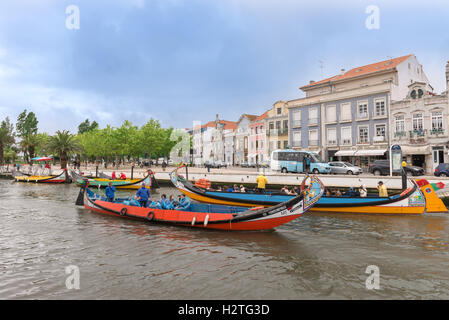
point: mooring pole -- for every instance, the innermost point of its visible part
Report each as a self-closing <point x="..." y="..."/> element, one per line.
<point x="96" y="171"/>
<point x="132" y="172"/>
<point x="187" y="172"/>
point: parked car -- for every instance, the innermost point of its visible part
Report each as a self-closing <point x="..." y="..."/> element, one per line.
<point x="382" y="167"/>
<point x="442" y="170"/>
<point x="340" y="167"/>
<point x="244" y="165"/>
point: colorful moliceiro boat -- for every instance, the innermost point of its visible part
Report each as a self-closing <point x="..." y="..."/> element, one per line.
<point x="417" y="199"/>
<point x="61" y="178"/>
<point x="210" y="216"/>
<point x="118" y="183"/>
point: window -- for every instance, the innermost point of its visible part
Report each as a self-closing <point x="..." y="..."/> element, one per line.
<point x="363" y="134"/>
<point x="261" y="129"/>
<point x="437" y="120"/>
<point x="420" y="93"/>
<point x="345" y="110"/>
<point x="380" y="108"/>
<point x="418" y="122"/>
<point x="380" y="133"/>
<point x="271" y="145"/>
<point x="279" y="144"/>
<point x="286" y="124"/>
<point x="332" y="136"/>
<point x="346" y="135"/>
<point x="256" y="130"/>
<point x="413" y="94"/>
<point x="313" y="137"/>
<point x="297" y="139"/>
<point x="285" y="144"/>
<point x="362" y="110"/>
<point x="296" y="116"/>
<point x="313" y="115"/>
<point x="271" y="125"/>
<point x="278" y="124"/>
<point x="331" y="113"/>
<point x="399" y="124"/>
<point x="279" y="110"/>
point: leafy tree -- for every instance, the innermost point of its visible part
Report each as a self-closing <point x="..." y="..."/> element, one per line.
<point x="6" y="137"/>
<point x="63" y="144"/>
<point x="26" y="127"/>
<point x="86" y="126"/>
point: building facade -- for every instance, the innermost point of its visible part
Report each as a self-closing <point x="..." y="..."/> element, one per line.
<point x="241" y="138"/>
<point x="258" y="140"/>
<point x="420" y="126"/>
<point x="346" y="117"/>
<point x="277" y="127"/>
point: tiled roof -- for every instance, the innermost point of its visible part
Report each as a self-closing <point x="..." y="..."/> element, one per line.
<point x="227" y="125"/>
<point x="261" y="117"/>
<point x="356" y="72"/>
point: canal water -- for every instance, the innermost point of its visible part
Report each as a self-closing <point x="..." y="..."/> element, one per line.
<point x="318" y="256"/>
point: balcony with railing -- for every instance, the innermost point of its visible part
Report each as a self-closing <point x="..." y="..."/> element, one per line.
<point x="346" y="142"/>
<point x="418" y="136"/>
<point x="278" y="132"/>
<point x="380" y="139"/>
<point x="400" y="134"/>
<point x="297" y="144"/>
<point x="313" y="143"/>
<point x="331" y="142"/>
<point x="437" y="132"/>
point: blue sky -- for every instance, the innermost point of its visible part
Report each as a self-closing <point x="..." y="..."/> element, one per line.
<point x="185" y="60"/>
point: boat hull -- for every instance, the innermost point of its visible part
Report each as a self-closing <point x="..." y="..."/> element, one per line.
<point x="55" y="179"/>
<point x="412" y="202"/>
<point x="210" y="216"/>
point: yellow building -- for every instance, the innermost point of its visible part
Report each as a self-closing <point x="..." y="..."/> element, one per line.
<point x="277" y="127"/>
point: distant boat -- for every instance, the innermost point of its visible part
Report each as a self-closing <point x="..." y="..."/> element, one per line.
<point x="55" y="179"/>
<point x="119" y="183"/>
<point x="409" y="201"/>
<point x="209" y="216"/>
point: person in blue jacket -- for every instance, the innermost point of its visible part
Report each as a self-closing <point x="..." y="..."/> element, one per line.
<point x="164" y="201"/>
<point x="143" y="194"/>
<point x="110" y="192"/>
<point x="184" y="204"/>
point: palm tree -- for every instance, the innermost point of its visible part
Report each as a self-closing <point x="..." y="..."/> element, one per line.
<point x="29" y="144"/>
<point x="63" y="144"/>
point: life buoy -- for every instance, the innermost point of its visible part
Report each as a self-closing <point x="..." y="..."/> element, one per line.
<point x="123" y="211"/>
<point x="150" y="215"/>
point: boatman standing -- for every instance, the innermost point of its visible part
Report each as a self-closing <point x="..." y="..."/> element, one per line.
<point x="382" y="189"/>
<point x="143" y="194"/>
<point x="261" y="182"/>
<point x="110" y="192"/>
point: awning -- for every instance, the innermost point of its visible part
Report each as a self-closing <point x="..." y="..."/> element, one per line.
<point x="370" y="152"/>
<point x="408" y="150"/>
<point x="344" y="153"/>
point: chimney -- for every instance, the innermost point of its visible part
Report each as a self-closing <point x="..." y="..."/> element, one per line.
<point x="343" y="71"/>
<point x="311" y="81"/>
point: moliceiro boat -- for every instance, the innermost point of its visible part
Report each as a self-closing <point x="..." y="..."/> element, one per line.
<point x="61" y="178"/>
<point x="210" y="216"/>
<point x="416" y="199"/>
<point x="149" y="181"/>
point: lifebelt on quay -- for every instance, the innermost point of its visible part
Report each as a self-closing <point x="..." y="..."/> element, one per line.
<point x="123" y="211"/>
<point x="150" y="215"/>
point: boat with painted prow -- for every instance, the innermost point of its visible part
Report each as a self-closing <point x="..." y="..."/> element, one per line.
<point x="413" y="200"/>
<point x="210" y="216"/>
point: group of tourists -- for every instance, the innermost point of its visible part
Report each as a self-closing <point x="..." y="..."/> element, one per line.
<point x="361" y="192"/>
<point x="143" y="199"/>
<point x="122" y="176"/>
<point x="293" y="191"/>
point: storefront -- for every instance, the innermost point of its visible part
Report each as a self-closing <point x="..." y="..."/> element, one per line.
<point x="419" y="156"/>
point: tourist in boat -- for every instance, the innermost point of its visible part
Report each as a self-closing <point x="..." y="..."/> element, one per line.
<point x="242" y="188"/>
<point x="363" y="192"/>
<point x="230" y="189"/>
<point x="110" y="192"/>
<point x="337" y="193"/>
<point x="164" y="201"/>
<point x="122" y="176"/>
<point x="143" y="195"/>
<point x="114" y="177"/>
<point x="219" y="188"/>
<point x="261" y="183"/>
<point x="292" y="192"/>
<point x="184" y="203"/>
<point x="328" y="193"/>
<point x="383" y="192"/>
<point x="236" y="188"/>
<point x="132" y="202"/>
<point x="351" y="192"/>
<point x="285" y="190"/>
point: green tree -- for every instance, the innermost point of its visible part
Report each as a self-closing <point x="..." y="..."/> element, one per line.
<point x="26" y="127"/>
<point x="86" y="126"/>
<point x="63" y="144"/>
<point x="6" y="137"/>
